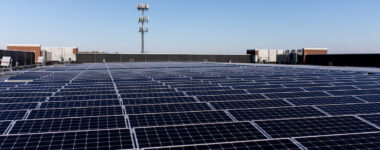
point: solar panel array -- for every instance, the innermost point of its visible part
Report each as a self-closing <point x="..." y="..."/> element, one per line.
<point x="189" y="106"/>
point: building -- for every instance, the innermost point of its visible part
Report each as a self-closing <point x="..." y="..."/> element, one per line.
<point x="310" y="51"/>
<point x="280" y="56"/>
<point x="53" y="54"/>
<point x="36" y="48"/>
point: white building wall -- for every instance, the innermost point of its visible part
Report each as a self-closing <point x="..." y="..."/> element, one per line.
<point x="268" y="55"/>
<point x="58" y="52"/>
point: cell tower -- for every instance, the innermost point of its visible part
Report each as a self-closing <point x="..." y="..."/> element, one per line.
<point x="142" y="19"/>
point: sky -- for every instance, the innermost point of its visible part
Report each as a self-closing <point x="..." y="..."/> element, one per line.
<point x="194" y="26"/>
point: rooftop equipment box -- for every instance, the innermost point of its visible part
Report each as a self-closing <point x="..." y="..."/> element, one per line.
<point x="56" y="53"/>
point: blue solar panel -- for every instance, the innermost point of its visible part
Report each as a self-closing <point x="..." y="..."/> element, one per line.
<point x="140" y="109"/>
<point x="249" y="104"/>
<point x="196" y="134"/>
<point x="352" y="109"/>
<point x="348" y="141"/>
<point x="74" y="112"/>
<point x="281" y="144"/>
<point x="314" y="126"/>
<point x="275" y="113"/>
<point x="188" y="106"/>
<point x="67" y="124"/>
<point x="100" y="139"/>
<point x="324" y="100"/>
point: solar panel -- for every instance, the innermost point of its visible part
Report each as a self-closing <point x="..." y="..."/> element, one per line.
<point x="330" y="88"/>
<point x="82" y="97"/>
<point x="281" y="144"/>
<point x="375" y="119"/>
<point x="99" y="139"/>
<point x="370" y="98"/>
<point x="249" y="104"/>
<point x="18" y="106"/>
<point x="163" y="119"/>
<point x="12" y="115"/>
<point x="140" y="109"/>
<point x="67" y="124"/>
<point x="230" y="97"/>
<point x="324" y="100"/>
<point x="355" y="92"/>
<point x="4" y="125"/>
<point x="196" y="134"/>
<point x="87" y="103"/>
<point x="159" y="100"/>
<point x="221" y="92"/>
<point x="143" y="95"/>
<point x="171" y="105"/>
<point x="275" y="113"/>
<point x="314" y="126"/>
<point x="352" y="109"/>
<point x="296" y="94"/>
<point x="277" y="90"/>
<point x="75" y="112"/>
<point x="13" y="95"/>
<point x="348" y="141"/>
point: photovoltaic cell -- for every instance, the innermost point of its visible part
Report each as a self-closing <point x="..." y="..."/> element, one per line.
<point x="22" y="100"/>
<point x="281" y="144"/>
<point x="101" y="139"/>
<point x="162" y="119"/>
<point x="352" y="109"/>
<point x="140" y="109"/>
<point x="142" y="95"/>
<point x="355" y="92"/>
<point x="330" y="88"/>
<point x="12" y="115"/>
<point x="371" y="98"/>
<point x="160" y="100"/>
<point x="314" y="126"/>
<point x="76" y="98"/>
<point x="368" y="141"/>
<point x="222" y="92"/>
<point x="296" y="94"/>
<point x="249" y="104"/>
<point x="324" y="100"/>
<point x="196" y="134"/>
<point x="67" y="124"/>
<point x="70" y="104"/>
<point x="375" y="119"/>
<point x="277" y="90"/>
<point x="75" y="112"/>
<point x="275" y="113"/>
<point x="3" y="126"/>
<point x="18" y="106"/>
<point x="230" y="97"/>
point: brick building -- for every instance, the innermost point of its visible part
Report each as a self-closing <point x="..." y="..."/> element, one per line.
<point x="36" y="48"/>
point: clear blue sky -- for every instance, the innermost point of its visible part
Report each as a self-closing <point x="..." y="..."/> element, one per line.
<point x="194" y="26"/>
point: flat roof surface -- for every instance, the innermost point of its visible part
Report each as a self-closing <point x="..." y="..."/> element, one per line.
<point x="189" y="106"/>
